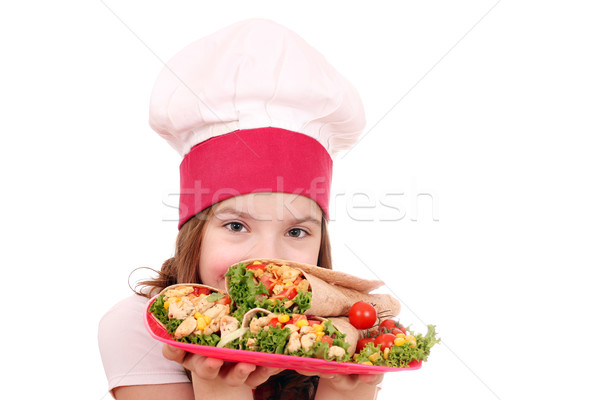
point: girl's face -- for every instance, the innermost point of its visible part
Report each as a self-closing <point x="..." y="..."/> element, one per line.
<point x="259" y="225"/>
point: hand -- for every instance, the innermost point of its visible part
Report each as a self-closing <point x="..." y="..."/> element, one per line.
<point x="212" y="369"/>
<point x="350" y="382"/>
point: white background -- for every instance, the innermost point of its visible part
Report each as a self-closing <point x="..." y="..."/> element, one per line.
<point x="486" y="126"/>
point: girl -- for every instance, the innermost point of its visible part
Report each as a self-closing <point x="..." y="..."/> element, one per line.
<point x="258" y="115"/>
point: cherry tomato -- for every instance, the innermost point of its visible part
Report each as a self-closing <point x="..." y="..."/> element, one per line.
<point x="391" y="326"/>
<point x="327" y="339"/>
<point x="386" y="340"/>
<point x="201" y="290"/>
<point x="362" y="315"/>
<point x="224" y="300"/>
<point x="274" y="321"/>
<point x="362" y="343"/>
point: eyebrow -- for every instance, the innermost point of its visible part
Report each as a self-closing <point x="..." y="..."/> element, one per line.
<point x="243" y="214"/>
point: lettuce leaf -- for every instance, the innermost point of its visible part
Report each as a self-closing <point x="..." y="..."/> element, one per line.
<point x="244" y="290"/>
<point x="272" y="340"/>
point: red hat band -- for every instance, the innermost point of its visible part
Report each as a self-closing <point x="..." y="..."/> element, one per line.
<point x="253" y="161"/>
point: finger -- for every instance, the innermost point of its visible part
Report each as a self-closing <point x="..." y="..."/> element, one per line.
<point x="173" y="353"/>
<point x="203" y="367"/>
<point x="371" y="379"/>
<point x="238" y="373"/>
<point x="260" y="376"/>
<point x="345" y="382"/>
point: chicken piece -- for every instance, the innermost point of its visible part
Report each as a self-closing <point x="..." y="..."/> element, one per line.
<point x="303" y="286"/>
<point x="336" y="352"/>
<point x="308" y="340"/>
<point x="201" y="305"/>
<point x="289" y="274"/>
<point x="213" y="327"/>
<point x="181" y="309"/>
<point x="294" y="342"/>
<point x="227" y="325"/>
<point x="184" y="291"/>
<point x="277" y="288"/>
<point x="258" y="323"/>
<point x="306" y="329"/>
<point x="292" y="327"/>
<point x="186" y="327"/>
<point x="217" y="311"/>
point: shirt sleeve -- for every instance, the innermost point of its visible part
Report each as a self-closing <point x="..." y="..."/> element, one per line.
<point x="129" y="354"/>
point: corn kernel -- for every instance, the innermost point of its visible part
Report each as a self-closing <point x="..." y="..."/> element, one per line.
<point x="355" y="357"/>
<point x="167" y="305"/>
<point x="399" y="341"/>
<point x="386" y="353"/>
<point x="375" y="356"/>
<point x="206" y="319"/>
<point x="197" y="315"/>
<point x="367" y="363"/>
<point x="410" y="338"/>
<point x="320" y="335"/>
<point x="201" y="323"/>
<point x="318" y="328"/>
<point x="283" y="318"/>
<point x="301" y="322"/>
<point x="177" y="299"/>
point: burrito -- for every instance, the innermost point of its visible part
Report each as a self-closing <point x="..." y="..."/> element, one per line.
<point x="295" y="334"/>
<point x="289" y="287"/>
<point x="194" y="313"/>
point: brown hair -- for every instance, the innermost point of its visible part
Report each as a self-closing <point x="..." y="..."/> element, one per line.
<point x="183" y="267"/>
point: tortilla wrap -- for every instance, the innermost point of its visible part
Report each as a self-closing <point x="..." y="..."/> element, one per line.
<point x="182" y="285"/>
<point x="334" y="292"/>
<point x="342" y="324"/>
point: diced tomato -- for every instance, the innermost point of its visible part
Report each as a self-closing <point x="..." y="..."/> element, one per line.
<point x="256" y="267"/>
<point x="289" y="293"/>
<point x="200" y="290"/>
<point x="224" y="300"/>
<point x="327" y="339"/>
<point x="312" y="322"/>
<point x="274" y="321"/>
<point x="268" y="281"/>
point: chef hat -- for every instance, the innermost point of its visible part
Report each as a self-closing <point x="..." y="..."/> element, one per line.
<point x="254" y="108"/>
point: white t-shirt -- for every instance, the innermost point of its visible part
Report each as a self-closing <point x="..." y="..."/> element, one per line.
<point x="129" y="354"/>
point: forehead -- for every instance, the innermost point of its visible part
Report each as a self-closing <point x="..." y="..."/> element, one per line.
<point x="281" y="206"/>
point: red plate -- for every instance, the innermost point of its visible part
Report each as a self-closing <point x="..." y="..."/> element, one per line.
<point x="158" y="332"/>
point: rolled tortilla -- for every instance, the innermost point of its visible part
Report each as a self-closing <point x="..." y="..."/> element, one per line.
<point x="178" y="287"/>
<point x="334" y="292"/>
<point x="340" y="323"/>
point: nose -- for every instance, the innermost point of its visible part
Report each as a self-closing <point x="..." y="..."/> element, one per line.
<point x="267" y="246"/>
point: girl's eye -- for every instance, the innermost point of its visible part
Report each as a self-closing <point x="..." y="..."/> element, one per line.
<point x="297" y="233"/>
<point x="235" y="227"/>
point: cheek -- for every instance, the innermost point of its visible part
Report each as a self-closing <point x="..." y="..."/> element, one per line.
<point x="216" y="256"/>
